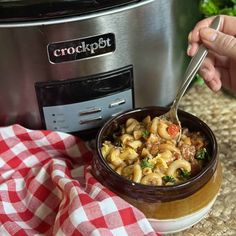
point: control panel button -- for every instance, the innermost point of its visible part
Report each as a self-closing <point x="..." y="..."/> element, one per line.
<point x="91" y="120"/>
<point x="117" y="103"/>
<point x="89" y="111"/>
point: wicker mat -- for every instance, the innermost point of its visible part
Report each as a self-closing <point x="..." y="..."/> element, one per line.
<point x="218" y="110"/>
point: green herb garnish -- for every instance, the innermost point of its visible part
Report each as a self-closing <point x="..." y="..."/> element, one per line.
<point x="168" y="179"/>
<point x="145" y="134"/>
<point x="184" y="174"/>
<point x="201" y="154"/>
<point x="146" y="163"/>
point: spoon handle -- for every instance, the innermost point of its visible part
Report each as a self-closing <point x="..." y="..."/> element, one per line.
<point x="195" y="64"/>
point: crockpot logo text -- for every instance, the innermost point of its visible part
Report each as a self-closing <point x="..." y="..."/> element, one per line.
<point x="81" y="48"/>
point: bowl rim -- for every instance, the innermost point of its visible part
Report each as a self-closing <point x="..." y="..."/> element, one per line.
<point x="212" y="163"/>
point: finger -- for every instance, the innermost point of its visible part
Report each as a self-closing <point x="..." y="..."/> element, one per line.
<point x="193" y="36"/>
<point x="213" y="80"/>
<point x="214" y="84"/>
<point x="227" y="26"/>
<point x="194" y="39"/>
<point x="210" y="74"/>
<point x="207" y="70"/>
<point x="215" y="77"/>
<point x="219" y="42"/>
<point x="192" y="49"/>
<point x="208" y="64"/>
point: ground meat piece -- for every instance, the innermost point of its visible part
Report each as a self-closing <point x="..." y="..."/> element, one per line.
<point x="154" y="149"/>
<point x="197" y="140"/>
<point x="188" y="152"/>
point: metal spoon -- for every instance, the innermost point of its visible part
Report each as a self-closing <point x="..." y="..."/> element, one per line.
<point x="190" y="72"/>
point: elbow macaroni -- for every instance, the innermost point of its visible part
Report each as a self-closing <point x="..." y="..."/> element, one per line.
<point x="176" y="165"/>
<point x="149" y="154"/>
<point x="162" y="131"/>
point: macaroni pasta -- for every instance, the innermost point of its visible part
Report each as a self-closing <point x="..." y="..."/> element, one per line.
<point x="147" y="152"/>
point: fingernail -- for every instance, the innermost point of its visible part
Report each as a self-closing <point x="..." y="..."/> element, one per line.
<point x="190" y="36"/>
<point x="208" y="34"/>
<point x="189" y="49"/>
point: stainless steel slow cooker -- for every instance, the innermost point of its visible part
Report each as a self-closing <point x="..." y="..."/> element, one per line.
<point x="70" y="65"/>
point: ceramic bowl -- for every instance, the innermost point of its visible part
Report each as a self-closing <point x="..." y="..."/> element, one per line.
<point x="169" y="208"/>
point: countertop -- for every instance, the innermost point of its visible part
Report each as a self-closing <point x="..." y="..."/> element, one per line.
<point x="218" y="110"/>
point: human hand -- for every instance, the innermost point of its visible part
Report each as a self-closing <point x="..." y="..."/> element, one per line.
<point x="219" y="67"/>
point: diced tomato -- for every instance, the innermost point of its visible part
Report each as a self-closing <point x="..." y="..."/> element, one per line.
<point x="173" y="130"/>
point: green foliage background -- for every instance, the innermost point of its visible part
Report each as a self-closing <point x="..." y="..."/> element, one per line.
<point x="217" y="7"/>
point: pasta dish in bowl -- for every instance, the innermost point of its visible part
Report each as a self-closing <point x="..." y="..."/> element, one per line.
<point x="147" y="152"/>
<point x="140" y="159"/>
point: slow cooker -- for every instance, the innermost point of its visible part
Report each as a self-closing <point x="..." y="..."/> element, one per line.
<point x="69" y="65"/>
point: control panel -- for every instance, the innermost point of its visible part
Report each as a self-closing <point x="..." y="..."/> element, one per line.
<point x="85" y="103"/>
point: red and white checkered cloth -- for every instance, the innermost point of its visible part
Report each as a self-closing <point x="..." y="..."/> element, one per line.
<point x="46" y="188"/>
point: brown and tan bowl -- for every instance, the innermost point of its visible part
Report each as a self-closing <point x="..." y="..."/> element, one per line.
<point x="168" y="208"/>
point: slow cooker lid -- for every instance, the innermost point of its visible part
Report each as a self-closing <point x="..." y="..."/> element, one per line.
<point x="26" y="10"/>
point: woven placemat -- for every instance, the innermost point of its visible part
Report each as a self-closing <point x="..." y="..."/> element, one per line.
<point x="218" y="110"/>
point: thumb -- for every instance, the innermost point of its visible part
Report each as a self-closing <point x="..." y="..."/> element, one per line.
<point x="219" y="42"/>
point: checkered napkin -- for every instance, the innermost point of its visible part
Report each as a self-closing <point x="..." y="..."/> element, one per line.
<point x="46" y="188"/>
